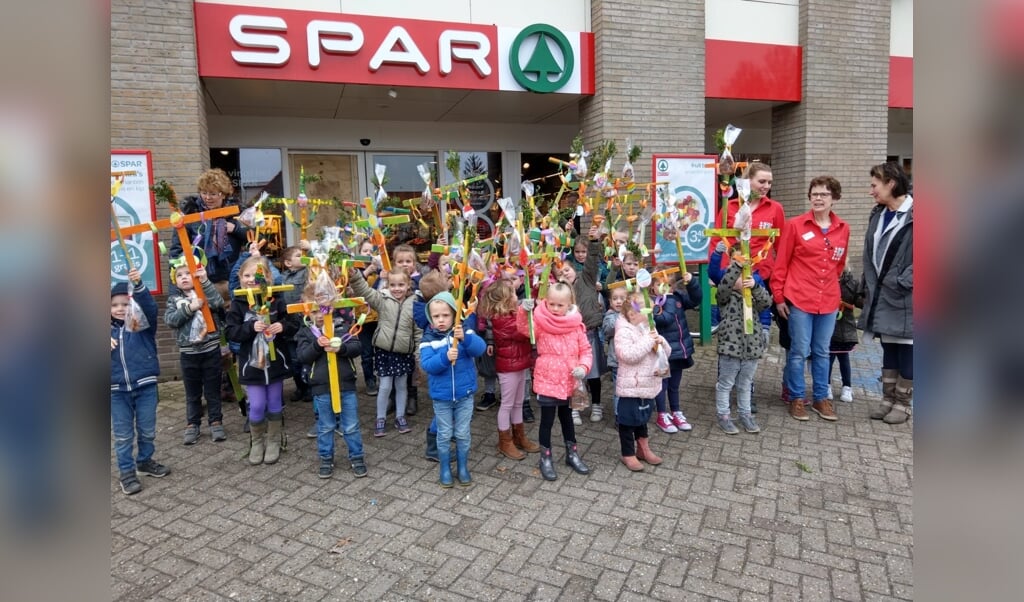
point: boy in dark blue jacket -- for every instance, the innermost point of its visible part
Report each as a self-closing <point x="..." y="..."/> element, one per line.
<point x="446" y="355"/>
<point x="312" y="348"/>
<point x="134" y="368"/>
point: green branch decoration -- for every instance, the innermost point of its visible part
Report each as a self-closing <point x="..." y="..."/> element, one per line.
<point x="633" y="151"/>
<point x="163" y="193"/>
<point x="453" y="163"/>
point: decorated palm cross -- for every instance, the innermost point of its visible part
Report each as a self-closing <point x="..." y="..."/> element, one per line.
<point x="178" y="222"/>
<point x="373" y="222"/>
<point x="310" y="309"/>
<point x="260" y="298"/>
<point x="742" y="231"/>
<point x="308" y="207"/>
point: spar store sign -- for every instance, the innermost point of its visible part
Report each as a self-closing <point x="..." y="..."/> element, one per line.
<point x="259" y="43"/>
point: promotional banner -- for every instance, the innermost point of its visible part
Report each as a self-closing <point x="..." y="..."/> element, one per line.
<point x="691" y="183"/>
<point x="134" y="204"/>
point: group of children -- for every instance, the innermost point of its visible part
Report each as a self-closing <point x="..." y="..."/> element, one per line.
<point x="411" y="324"/>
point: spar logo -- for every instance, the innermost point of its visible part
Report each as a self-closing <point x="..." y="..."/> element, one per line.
<point x="662" y="166"/>
<point x="532" y="61"/>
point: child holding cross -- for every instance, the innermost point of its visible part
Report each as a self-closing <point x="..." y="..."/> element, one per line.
<point x="133" y="373"/>
<point x="201" y="368"/>
<point x="263" y="377"/>
<point x="312" y="349"/>
<point x="446" y="354"/>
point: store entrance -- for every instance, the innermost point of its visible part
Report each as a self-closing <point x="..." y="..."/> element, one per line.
<point x="329" y="177"/>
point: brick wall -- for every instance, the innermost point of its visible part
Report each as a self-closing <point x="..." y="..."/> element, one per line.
<point x="156" y="103"/>
<point x="649" y="71"/>
<point x="840" y="127"/>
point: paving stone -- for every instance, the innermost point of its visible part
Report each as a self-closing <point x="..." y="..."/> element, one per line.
<point x="726" y="518"/>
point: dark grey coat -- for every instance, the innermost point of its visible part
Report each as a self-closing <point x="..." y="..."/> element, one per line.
<point x="888" y="280"/>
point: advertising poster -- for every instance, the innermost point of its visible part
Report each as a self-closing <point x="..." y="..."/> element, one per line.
<point x="134" y="203"/>
<point x="692" y="183"/>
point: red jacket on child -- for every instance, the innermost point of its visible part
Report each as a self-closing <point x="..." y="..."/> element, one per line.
<point x="512" y="349"/>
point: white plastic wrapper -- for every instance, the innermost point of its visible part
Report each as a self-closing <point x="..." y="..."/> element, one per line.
<point x="428" y="194"/>
<point x="726" y="164"/>
<point x="197" y="328"/>
<point x="378" y="170"/>
<point x="135" y="320"/>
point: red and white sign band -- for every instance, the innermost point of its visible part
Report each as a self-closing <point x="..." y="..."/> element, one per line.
<point x="278" y="44"/>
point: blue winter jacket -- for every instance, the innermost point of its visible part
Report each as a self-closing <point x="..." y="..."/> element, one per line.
<point x="670" y="320"/>
<point x="450" y="381"/>
<point x="134" y="363"/>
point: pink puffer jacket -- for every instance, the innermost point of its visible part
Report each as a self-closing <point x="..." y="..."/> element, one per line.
<point x="561" y="346"/>
<point x="637" y="374"/>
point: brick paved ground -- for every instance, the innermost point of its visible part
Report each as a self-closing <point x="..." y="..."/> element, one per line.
<point x="730" y="518"/>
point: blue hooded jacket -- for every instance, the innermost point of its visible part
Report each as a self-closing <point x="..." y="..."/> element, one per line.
<point x="450" y="381"/>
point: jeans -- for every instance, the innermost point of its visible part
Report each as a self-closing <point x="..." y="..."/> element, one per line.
<point x="808" y="334"/>
<point x="615" y="396"/>
<point x="133" y="413"/>
<point x="201" y="374"/>
<point x="453" y="419"/>
<point x="734" y="372"/>
<point x="326" y="423"/>
<point x="670" y="387"/>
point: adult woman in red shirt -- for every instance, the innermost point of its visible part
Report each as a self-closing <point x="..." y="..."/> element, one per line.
<point x="810" y="257"/>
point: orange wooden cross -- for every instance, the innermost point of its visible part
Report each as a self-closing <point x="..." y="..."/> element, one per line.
<point x="178" y="221"/>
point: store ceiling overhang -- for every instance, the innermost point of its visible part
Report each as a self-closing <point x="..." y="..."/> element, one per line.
<point x="270" y="98"/>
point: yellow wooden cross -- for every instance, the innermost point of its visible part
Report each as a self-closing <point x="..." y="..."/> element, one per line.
<point x="770" y="234"/>
<point x="310" y="309"/>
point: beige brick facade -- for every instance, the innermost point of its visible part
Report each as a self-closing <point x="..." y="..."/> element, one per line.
<point x="649" y="69"/>
<point x="156" y="103"/>
<point x="840" y="127"/>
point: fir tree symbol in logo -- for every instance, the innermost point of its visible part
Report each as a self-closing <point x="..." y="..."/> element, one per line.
<point x="536" y="75"/>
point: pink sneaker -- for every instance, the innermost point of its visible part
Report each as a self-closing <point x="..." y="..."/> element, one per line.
<point x="680" y="421"/>
<point x="665" y="423"/>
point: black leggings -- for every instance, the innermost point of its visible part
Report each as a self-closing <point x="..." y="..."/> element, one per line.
<point x="594" y="384"/>
<point x="547" y="420"/>
<point x="897" y="356"/>
<point x="628" y="435"/>
<point x="844" y="367"/>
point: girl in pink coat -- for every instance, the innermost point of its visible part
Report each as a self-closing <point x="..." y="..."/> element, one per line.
<point x="563" y="357"/>
<point x="638" y="381"/>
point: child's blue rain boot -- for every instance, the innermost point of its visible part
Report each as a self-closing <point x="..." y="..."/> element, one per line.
<point x="444" y="458"/>
<point x="462" y="460"/>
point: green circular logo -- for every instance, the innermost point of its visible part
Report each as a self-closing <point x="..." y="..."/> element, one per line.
<point x="541" y="64"/>
<point x="662" y="165"/>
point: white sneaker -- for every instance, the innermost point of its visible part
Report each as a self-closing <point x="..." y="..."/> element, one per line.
<point x="847" y="395"/>
<point x="576" y="418"/>
<point x="829" y="396"/>
<point x="596" y="413"/>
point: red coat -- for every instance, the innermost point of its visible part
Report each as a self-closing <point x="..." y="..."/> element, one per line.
<point x="561" y="346"/>
<point x="512" y="349"/>
<point x="808" y="264"/>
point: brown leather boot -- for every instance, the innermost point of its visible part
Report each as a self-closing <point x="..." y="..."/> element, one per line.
<point x="797" y="410"/>
<point x="632" y="463"/>
<point x="521" y="441"/>
<point x="889" y="377"/>
<point x="643" y="451"/>
<point x="903" y="395"/>
<point x="507" y="448"/>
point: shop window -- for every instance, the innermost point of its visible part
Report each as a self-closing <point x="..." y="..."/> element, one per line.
<point x="252" y="171"/>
